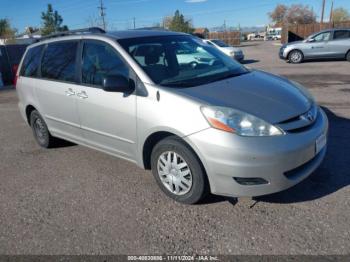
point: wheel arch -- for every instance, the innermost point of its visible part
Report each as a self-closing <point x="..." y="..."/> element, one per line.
<point x="149" y="144"/>
<point x="157" y="136"/>
<point x="347" y="53"/>
<point x="29" y="110"/>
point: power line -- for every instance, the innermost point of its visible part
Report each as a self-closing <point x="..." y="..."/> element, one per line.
<point x="102" y="14"/>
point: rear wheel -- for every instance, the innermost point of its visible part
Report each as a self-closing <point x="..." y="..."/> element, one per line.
<point x="295" y="57"/>
<point x="178" y="171"/>
<point x="40" y="130"/>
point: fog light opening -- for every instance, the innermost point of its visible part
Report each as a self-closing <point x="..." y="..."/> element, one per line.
<point x="250" y="181"/>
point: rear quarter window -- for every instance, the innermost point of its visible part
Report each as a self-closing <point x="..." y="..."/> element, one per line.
<point x="342" y="34"/>
<point x="31" y="62"/>
<point x="59" y="61"/>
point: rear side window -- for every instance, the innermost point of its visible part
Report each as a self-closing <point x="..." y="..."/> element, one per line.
<point x="59" y="61"/>
<point x="101" y="60"/>
<point x="342" y="34"/>
<point x="31" y="62"/>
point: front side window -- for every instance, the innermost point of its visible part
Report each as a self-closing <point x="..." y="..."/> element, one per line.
<point x="59" y="61"/>
<point x="342" y="34"/>
<point x="31" y="62"/>
<point x="322" y="37"/>
<point x="181" y="61"/>
<point x="101" y="60"/>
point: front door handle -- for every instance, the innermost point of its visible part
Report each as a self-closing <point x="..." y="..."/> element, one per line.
<point x="82" y="95"/>
<point x="70" y="92"/>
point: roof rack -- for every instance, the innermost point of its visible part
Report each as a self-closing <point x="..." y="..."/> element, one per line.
<point x="91" y="30"/>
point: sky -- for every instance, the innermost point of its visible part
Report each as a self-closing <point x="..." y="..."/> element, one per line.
<point x="120" y="13"/>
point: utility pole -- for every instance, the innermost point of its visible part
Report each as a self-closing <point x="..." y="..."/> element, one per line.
<point x="331" y="13"/>
<point x="134" y="20"/>
<point x="102" y="14"/>
<point x="323" y="6"/>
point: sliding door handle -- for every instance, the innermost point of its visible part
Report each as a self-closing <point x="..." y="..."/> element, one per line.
<point x="82" y="95"/>
<point x="70" y="92"/>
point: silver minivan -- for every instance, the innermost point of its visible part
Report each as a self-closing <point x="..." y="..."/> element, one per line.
<point x="208" y="125"/>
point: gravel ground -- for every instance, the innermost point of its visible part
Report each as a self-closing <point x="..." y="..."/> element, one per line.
<point x="74" y="200"/>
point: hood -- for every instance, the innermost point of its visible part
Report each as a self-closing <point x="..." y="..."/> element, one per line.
<point x="269" y="97"/>
<point x="230" y="49"/>
<point x="294" y="43"/>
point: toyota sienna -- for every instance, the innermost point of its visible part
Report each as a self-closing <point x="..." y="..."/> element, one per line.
<point x="171" y="103"/>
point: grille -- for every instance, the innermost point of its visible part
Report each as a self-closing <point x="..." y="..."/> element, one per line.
<point x="301" y="122"/>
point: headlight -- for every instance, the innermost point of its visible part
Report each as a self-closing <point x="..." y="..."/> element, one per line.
<point x="240" y="123"/>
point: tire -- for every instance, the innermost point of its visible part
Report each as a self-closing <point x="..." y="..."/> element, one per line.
<point x="191" y="183"/>
<point x="40" y="130"/>
<point x="348" y="56"/>
<point x="295" y="57"/>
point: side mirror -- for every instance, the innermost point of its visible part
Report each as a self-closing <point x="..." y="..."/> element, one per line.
<point x="117" y="83"/>
<point x="310" y="40"/>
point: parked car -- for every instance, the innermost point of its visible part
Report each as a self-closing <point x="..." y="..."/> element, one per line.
<point x="234" y="52"/>
<point x="327" y="44"/>
<point x="10" y="56"/>
<point x="219" y="127"/>
<point x="273" y="37"/>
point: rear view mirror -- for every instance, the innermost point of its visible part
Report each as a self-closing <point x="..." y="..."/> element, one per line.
<point x="118" y="83"/>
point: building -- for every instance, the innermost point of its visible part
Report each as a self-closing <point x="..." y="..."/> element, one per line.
<point x="201" y="32"/>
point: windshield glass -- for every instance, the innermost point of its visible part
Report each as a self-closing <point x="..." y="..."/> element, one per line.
<point x="181" y="61"/>
<point x="220" y="43"/>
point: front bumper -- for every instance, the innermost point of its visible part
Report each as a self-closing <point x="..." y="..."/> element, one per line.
<point x="283" y="52"/>
<point x="282" y="161"/>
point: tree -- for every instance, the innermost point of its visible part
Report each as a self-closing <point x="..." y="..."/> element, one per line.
<point x="295" y="14"/>
<point x="278" y="14"/>
<point x="300" y="14"/>
<point x="178" y="23"/>
<point x="6" y="31"/>
<point x="52" y="21"/>
<point x="167" y="21"/>
<point x="340" y="14"/>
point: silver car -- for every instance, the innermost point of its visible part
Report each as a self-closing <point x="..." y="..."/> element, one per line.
<point x="200" y="127"/>
<point x="328" y="44"/>
<point x="234" y="52"/>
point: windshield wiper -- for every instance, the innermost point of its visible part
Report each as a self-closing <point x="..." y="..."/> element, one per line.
<point x="180" y="83"/>
<point x="197" y="81"/>
<point x="228" y="76"/>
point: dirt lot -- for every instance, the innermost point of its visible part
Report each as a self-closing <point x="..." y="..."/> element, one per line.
<point x="73" y="200"/>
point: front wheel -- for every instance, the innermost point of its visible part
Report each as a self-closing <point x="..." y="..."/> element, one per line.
<point x="178" y="171"/>
<point x="295" y="57"/>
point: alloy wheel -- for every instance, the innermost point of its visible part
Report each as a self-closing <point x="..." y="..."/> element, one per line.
<point x="296" y="57"/>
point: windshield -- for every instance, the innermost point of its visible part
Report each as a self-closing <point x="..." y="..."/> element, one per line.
<point x="220" y="43"/>
<point x="181" y="61"/>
